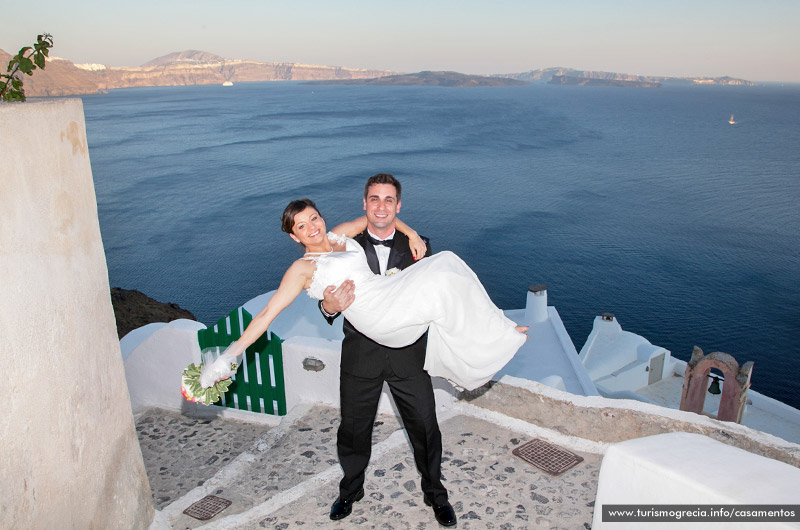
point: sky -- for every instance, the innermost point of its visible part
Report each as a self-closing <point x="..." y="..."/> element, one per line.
<point x="758" y="40"/>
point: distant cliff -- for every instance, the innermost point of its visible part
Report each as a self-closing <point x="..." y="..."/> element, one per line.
<point x="427" y="78"/>
<point x="59" y="78"/>
<point x="63" y="78"/>
<point x="554" y="75"/>
<point x="200" y="68"/>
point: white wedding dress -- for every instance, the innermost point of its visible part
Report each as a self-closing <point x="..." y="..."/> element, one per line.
<point x="469" y="338"/>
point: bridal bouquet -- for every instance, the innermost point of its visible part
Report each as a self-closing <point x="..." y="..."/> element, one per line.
<point x="193" y="377"/>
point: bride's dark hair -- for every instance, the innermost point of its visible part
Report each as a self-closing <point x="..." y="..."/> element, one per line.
<point x="294" y="208"/>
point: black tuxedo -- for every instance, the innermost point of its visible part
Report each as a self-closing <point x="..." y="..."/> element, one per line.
<point x="365" y="365"/>
<point x="362" y="356"/>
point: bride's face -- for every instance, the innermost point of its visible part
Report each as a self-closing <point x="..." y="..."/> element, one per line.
<point x="309" y="227"/>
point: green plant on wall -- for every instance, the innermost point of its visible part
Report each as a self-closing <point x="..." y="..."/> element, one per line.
<point x="25" y="62"/>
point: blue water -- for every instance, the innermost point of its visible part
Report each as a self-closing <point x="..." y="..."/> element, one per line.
<point x="641" y="202"/>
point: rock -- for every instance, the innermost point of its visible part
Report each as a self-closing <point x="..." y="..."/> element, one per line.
<point x="134" y="309"/>
<point x="313" y="365"/>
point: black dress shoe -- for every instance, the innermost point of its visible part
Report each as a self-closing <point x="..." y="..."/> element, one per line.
<point x="444" y="513"/>
<point x="342" y="507"/>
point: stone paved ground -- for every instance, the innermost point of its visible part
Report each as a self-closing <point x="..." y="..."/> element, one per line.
<point x="304" y="449"/>
<point x="489" y="488"/>
<point x="181" y="452"/>
<point x="289" y="475"/>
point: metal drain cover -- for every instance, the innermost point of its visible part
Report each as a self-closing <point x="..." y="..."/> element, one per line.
<point x="207" y="507"/>
<point x="546" y="456"/>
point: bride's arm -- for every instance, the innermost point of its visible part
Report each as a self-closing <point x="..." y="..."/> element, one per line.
<point x="415" y="241"/>
<point x="356" y="226"/>
<point x="291" y="285"/>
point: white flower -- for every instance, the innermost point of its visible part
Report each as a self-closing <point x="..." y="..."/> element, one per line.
<point x="393" y="270"/>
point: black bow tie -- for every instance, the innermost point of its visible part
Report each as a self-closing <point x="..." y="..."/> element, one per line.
<point x="384" y="242"/>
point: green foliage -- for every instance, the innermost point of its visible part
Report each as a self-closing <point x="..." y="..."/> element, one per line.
<point x="26" y="61"/>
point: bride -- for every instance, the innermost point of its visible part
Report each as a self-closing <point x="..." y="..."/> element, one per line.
<point x="469" y="338"/>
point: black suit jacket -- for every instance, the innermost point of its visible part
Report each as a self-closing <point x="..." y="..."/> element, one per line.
<point x="363" y="357"/>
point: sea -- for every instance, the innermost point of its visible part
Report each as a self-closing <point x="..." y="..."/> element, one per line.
<point x="645" y="203"/>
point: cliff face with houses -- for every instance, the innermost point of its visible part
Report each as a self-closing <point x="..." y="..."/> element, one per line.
<point x="64" y="78"/>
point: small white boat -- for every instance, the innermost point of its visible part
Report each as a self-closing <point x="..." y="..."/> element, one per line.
<point x="731" y="121"/>
<point x="230" y="83"/>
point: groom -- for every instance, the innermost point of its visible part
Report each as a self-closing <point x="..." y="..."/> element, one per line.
<point x="366" y="365"/>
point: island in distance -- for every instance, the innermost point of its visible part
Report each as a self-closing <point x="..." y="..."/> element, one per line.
<point x="553" y="76"/>
<point x="192" y="67"/>
<point x="427" y="78"/>
<point x="570" y="76"/>
<point x="591" y="81"/>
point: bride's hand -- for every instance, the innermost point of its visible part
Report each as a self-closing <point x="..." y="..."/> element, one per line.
<point x="417" y="246"/>
<point x="222" y="368"/>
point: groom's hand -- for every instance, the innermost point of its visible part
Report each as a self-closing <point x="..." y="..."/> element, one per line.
<point x="337" y="300"/>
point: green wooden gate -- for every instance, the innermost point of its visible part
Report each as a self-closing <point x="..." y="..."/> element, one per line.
<point x="258" y="383"/>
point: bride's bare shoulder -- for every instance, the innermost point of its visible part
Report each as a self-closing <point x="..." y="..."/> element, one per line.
<point x="302" y="266"/>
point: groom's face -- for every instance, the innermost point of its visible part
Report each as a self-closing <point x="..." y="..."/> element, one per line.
<point x="382" y="206"/>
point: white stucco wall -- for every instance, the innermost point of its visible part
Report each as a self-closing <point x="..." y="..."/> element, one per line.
<point x="154" y="366"/>
<point x="680" y="468"/>
<point x="70" y="457"/>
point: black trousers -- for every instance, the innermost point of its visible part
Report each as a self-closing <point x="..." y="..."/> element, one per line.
<point x="415" y="402"/>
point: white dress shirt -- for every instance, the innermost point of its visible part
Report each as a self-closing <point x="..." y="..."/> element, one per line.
<point x="382" y="251"/>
